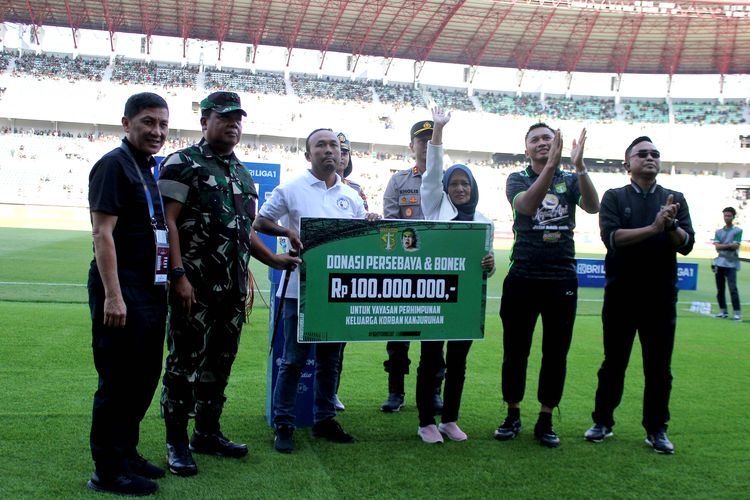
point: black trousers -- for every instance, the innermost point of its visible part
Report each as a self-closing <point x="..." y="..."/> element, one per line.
<point x="430" y="366"/>
<point x="654" y="319"/>
<point x="128" y="361"/>
<point x="727" y="276"/>
<point x="524" y="300"/>
<point x="398" y="357"/>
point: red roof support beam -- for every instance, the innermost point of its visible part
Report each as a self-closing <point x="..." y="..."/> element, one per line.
<point x="476" y="60"/>
<point x="391" y="51"/>
<point x="35" y="23"/>
<point x="113" y="22"/>
<point x="256" y="34"/>
<point x="726" y="40"/>
<point x="379" y="6"/>
<point x="423" y="54"/>
<point x="523" y="54"/>
<point x="629" y="29"/>
<point x="184" y="8"/>
<point x="290" y="39"/>
<point x="150" y="13"/>
<point x="225" y="14"/>
<point x="324" y="45"/>
<point x="75" y="24"/>
<point x="674" y="42"/>
<point x="585" y="23"/>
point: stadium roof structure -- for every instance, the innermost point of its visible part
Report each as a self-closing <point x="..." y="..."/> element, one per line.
<point x="617" y="36"/>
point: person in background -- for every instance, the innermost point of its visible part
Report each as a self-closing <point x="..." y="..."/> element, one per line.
<point x="727" y="241"/>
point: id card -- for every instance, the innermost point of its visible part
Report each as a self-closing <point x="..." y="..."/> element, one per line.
<point x="162" y="257"/>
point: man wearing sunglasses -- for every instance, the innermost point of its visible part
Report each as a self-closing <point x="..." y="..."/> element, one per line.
<point x="643" y="225"/>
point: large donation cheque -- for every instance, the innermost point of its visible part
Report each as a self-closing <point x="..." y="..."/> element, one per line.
<point x="392" y="280"/>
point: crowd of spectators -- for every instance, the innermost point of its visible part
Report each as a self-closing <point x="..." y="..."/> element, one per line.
<point x="245" y="81"/>
<point x="582" y="108"/>
<point x="709" y="112"/>
<point x="645" y="111"/>
<point x="165" y="75"/>
<point x="308" y="88"/>
<point x="506" y="104"/>
<point x="59" y="67"/>
<point x="400" y="96"/>
<point x="452" y="99"/>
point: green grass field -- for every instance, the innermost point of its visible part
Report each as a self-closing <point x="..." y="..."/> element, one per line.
<point x="48" y="380"/>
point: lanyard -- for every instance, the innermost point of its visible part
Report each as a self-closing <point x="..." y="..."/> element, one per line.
<point x="149" y="200"/>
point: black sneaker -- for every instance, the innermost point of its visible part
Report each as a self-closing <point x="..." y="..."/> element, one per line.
<point x="130" y="485"/>
<point x="598" y="433"/>
<point x="142" y="467"/>
<point x="180" y="460"/>
<point x="660" y="442"/>
<point x="393" y="404"/>
<point x="283" y="442"/>
<point x="216" y="444"/>
<point x="508" y="429"/>
<point x="545" y="434"/>
<point x="332" y="431"/>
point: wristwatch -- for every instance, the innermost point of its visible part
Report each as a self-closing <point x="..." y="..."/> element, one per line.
<point x="673" y="226"/>
<point x="176" y="272"/>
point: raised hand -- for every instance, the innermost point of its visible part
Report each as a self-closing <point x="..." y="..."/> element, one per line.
<point x="440" y="117"/>
<point x="555" y="151"/>
<point x="576" y="153"/>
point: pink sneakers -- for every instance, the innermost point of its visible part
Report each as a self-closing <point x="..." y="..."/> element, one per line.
<point x="453" y="432"/>
<point x="430" y="434"/>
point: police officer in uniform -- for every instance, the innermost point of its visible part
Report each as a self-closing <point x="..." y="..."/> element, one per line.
<point x="401" y="200"/>
<point x="210" y="206"/>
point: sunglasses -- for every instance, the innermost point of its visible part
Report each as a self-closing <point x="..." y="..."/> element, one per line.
<point x="643" y="153"/>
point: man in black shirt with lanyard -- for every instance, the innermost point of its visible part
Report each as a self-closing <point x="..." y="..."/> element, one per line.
<point x="542" y="277"/>
<point x="127" y="297"/>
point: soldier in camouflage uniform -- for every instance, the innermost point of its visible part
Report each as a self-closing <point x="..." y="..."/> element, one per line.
<point x="210" y="206"/>
<point x="402" y="200"/>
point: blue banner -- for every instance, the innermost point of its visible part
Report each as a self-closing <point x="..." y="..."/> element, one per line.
<point x="591" y="274"/>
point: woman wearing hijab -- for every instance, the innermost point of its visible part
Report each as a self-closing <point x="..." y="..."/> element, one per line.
<point x="454" y="199"/>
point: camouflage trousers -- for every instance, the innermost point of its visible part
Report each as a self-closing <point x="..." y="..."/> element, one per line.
<point x="201" y="347"/>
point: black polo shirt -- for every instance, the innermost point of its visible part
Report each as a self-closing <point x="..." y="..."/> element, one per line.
<point x="544" y="246"/>
<point x="116" y="189"/>
<point x="649" y="266"/>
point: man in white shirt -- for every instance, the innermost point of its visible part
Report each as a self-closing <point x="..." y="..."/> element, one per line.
<point x="319" y="192"/>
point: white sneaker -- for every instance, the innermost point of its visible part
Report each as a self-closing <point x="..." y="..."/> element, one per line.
<point x="453" y="431"/>
<point x="737" y="317"/>
<point x="721" y="315"/>
<point x="430" y="434"/>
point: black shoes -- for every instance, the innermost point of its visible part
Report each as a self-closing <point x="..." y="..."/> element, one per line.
<point x="394" y="403"/>
<point x="125" y="484"/>
<point x="216" y="444"/>
<point x="283" y="442"/>
<point x="545" y="434"/>
<point x="660" y="442"/>
<point x="508" y="429"/>
<point x="332" y="431"/>
<point x="180" y="460"/>
<point x="142" y="467"/>
<point x="598" y="433"/>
